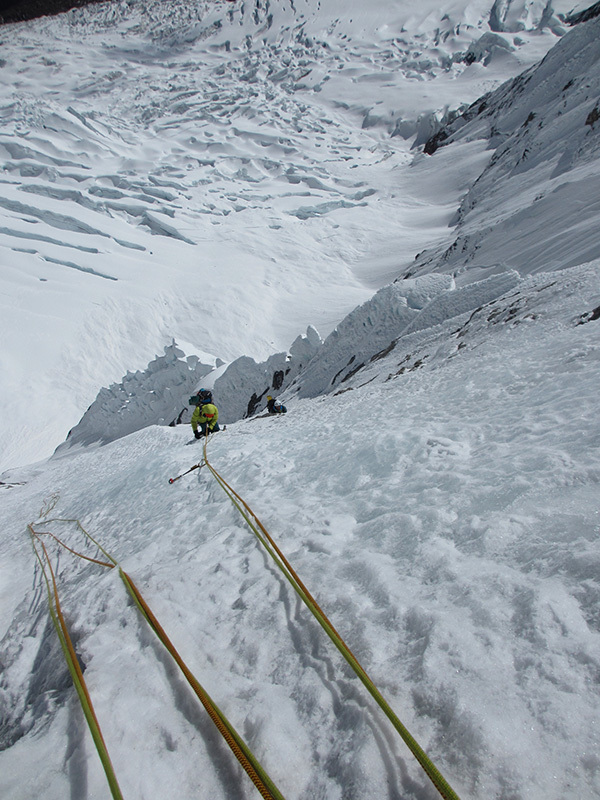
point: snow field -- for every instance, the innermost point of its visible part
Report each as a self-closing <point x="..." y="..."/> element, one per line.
<point x="447" y="523"/>
<point x="226" y="177"/>
<point x="222" y="175"/>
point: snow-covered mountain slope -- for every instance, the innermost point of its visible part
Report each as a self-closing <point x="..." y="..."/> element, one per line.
<point x="537" y="203"/>
<point x="532" y="170"/>
<point x="221" y="174"/>
<point x="435" y="480"/>
<point x="535" y="207"/>
<point x="445" y="515"/>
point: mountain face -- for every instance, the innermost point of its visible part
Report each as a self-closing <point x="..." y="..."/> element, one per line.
<point x="223" y="175"/>
<point x="191" y="179"/>
<point x="541" y="183"/>
<point x="534" y="208"/>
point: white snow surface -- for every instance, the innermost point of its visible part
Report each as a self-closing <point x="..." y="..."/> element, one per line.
<point x="222" y="174"/>
<point x="535" y="206"/>
<point x="446" y="520"/>
<point x="186" y="189"/>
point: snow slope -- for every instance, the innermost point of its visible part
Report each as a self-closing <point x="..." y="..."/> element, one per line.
<point x="534" y="206"/>
<point x="446" y="518"/>
<point x="221" y="174"/>
<point x="435" y="481"/>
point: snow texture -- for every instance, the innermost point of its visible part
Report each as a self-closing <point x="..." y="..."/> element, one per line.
<point x="446" y="518"/>
<point x="219" y="174"/>
<point x="204" y="181"/>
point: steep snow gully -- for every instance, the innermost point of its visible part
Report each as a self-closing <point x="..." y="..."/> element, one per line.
<point x="435" y="483"/>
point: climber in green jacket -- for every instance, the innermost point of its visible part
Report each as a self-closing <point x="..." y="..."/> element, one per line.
<point x="205" y="414"/>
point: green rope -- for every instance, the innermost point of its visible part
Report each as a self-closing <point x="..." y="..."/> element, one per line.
<point x="246" y="758"/>
<point x="76" y="675"/>
<point x="436" y="777"/>
<point x="240" y="749"/>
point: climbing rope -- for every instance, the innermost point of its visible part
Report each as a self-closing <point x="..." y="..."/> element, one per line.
<point x="257" y="774"/>
<point x="73" y="663"/>
<point x="242" y="752"/>
<point x="438" y="780"/>
<point x="240" y="749"/>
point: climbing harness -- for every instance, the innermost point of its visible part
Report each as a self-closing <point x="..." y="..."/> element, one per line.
<point x="240" y="749"/>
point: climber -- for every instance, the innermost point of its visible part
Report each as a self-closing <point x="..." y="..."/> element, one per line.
<point x="274" y="406"/>
<point x="205" y="414"/>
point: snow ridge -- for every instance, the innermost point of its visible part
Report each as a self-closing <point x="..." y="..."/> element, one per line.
<point x="159" y="394"/>
<point x="542" y="183"/>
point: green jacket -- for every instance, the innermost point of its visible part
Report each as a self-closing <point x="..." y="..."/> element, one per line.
<point x="207" y="413"/>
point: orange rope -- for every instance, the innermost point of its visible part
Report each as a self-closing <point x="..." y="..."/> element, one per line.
<point x="75" y="553"/>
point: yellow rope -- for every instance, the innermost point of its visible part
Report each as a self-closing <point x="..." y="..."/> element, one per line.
<point x="436" y="777"/>
<point x="73" y="665"/>
<point x="239" y="748"/>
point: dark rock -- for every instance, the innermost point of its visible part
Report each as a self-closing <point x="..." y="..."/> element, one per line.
<point x="32" y="9"/>
<point x="583" y="16"/>
<point x="590" y="316"/>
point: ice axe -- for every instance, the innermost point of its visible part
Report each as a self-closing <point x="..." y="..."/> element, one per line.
<point x="191" y="469"/>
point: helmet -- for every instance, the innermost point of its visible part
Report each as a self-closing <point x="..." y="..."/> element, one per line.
<point x="269" y="397"/>
<point x="203" y="396"/>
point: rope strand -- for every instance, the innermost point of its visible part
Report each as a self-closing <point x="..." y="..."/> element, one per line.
<point x="436" y="777"/>
<point x="258" y="775"/>
<point x="73" y="665"/>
